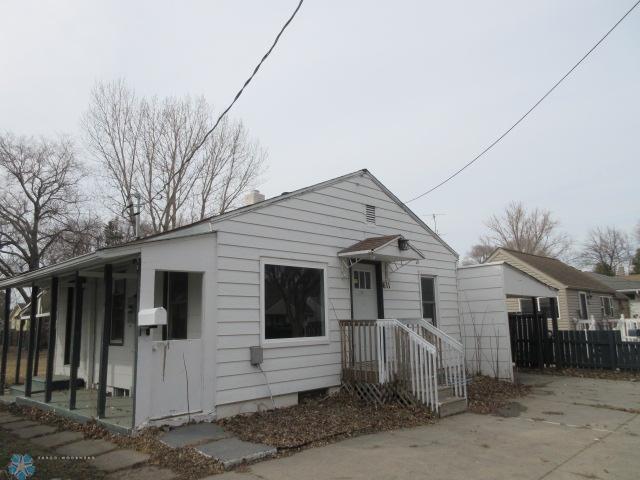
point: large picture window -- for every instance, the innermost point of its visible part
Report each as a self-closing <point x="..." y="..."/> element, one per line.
<point x="119" y="312"/>
<point x="293" y="302"/>
<point x="428" y="292"/>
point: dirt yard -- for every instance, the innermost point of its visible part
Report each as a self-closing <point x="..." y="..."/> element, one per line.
<point x="321" y="420"/>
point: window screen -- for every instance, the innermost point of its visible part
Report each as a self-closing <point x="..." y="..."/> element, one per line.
<point x="119" y="312"/>
<point x="293" y="302"/>
<point x="68" y="325"/>
<point x="176" y="298"/>
<point x="428" y="290"/>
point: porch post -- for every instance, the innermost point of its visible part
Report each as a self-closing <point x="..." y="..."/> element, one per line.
<point x="76" y="338"/>
<point x="106" y="336"/>
<point x="53" y="320"/>
<point x="19" y="359"/>
<point x="537" y="326"/>
<point x="553" y="305"/>
<point x="5" y="340"/>
<point x="32" y="338"/>
<point x="36" y="357"/>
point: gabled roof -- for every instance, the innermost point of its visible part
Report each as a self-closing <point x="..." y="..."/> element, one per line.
<point x="618" y="283"/>
<point x="564" y="274"/>
<point x="197" y="228"/>
<point x="286" y="195"/>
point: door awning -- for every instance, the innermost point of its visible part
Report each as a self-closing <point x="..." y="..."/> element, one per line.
<point x="387" y="248"/>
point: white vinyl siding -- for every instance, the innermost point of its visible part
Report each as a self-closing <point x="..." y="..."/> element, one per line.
<point x="313" y="227"/>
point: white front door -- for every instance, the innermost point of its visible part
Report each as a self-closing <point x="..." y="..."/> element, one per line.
<point x="363" y="291"/>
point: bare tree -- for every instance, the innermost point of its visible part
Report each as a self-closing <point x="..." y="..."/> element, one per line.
<point x="529" y="231"/>
<point x="606" y="250"/>
<point x="479" y="253"/>
<point x="39" y="201"/>
<point x="153" y="147"/>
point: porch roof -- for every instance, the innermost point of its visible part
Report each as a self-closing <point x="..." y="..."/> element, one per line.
<point x="387" y="248"/>
<point x="69" y="266"/>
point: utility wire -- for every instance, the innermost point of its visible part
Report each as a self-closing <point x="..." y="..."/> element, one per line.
<point x="497" y="140"/>
<point x="235" y="99"/>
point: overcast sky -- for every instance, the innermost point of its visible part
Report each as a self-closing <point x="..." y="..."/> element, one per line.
<point x="410" y="90"/>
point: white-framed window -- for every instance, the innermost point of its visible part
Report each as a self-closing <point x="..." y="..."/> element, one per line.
<point x="429" y="298"/>
<point x="583" y="304"/>
<point x="293" y="301"/>
<point x="607" y="306"/>
<point x="362" y="280"/>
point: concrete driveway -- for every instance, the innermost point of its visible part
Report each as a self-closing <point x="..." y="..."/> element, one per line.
<point x="569" y="428"/>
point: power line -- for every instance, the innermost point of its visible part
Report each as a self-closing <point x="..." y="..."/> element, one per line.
<point x="497" y="140"/>
<point x="235" y="99"/>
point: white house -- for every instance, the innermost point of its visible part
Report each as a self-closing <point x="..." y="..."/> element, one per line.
<point x="253" y="302"/>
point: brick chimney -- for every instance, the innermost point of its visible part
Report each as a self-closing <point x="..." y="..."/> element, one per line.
<point x="254" y="196"/>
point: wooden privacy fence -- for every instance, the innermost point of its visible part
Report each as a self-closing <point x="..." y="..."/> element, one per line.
<point x="534" y="345"/>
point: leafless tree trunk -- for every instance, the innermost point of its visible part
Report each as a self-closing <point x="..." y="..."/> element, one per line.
<point x="530" y="231"/>
<point x="39" y="202"/>
<point x="479" y="253"/>
<point x="152" y="146"/>
<point x="606" y="250"/>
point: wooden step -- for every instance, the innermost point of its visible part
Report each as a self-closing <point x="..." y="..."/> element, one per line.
<point x="452" y="406"/>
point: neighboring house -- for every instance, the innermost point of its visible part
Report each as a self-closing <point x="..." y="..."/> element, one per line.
<point x="628" y="292"/>
<point x="580" y="296"/>
<point x="277" y="275"/>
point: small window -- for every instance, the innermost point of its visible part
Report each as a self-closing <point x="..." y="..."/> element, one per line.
<point x="361" y="280"/>
<point x="370" y="214"/>
<point x="584" y="310"/>
<point x="428" y="292"/>
<point x="293" y="302"/>
<point x="119" y="312"/>
<point x="176" y="301"/>
<point x="607" y="306"/>
<point x="526" y="305"/>
<point x="544" y="306"/>
<point x="68" y="325"/>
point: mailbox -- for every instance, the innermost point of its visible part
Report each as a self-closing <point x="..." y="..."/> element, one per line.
<point x="152" y="317"/>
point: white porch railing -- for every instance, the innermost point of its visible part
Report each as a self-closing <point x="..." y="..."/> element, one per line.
<point x="408" y="359"/>
<point x="450" y="355"/>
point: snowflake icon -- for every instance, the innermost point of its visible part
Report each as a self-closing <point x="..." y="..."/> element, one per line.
<point x="21" y="466"/>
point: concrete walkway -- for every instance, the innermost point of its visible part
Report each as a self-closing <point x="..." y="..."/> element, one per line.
<point x="108" y="457"/>
<point x="569" y="428"/>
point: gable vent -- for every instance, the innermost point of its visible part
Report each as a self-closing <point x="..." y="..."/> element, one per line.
<point x="370" y="214"/>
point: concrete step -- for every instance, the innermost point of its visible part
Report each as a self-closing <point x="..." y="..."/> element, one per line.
<point x="452" y="406"/>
